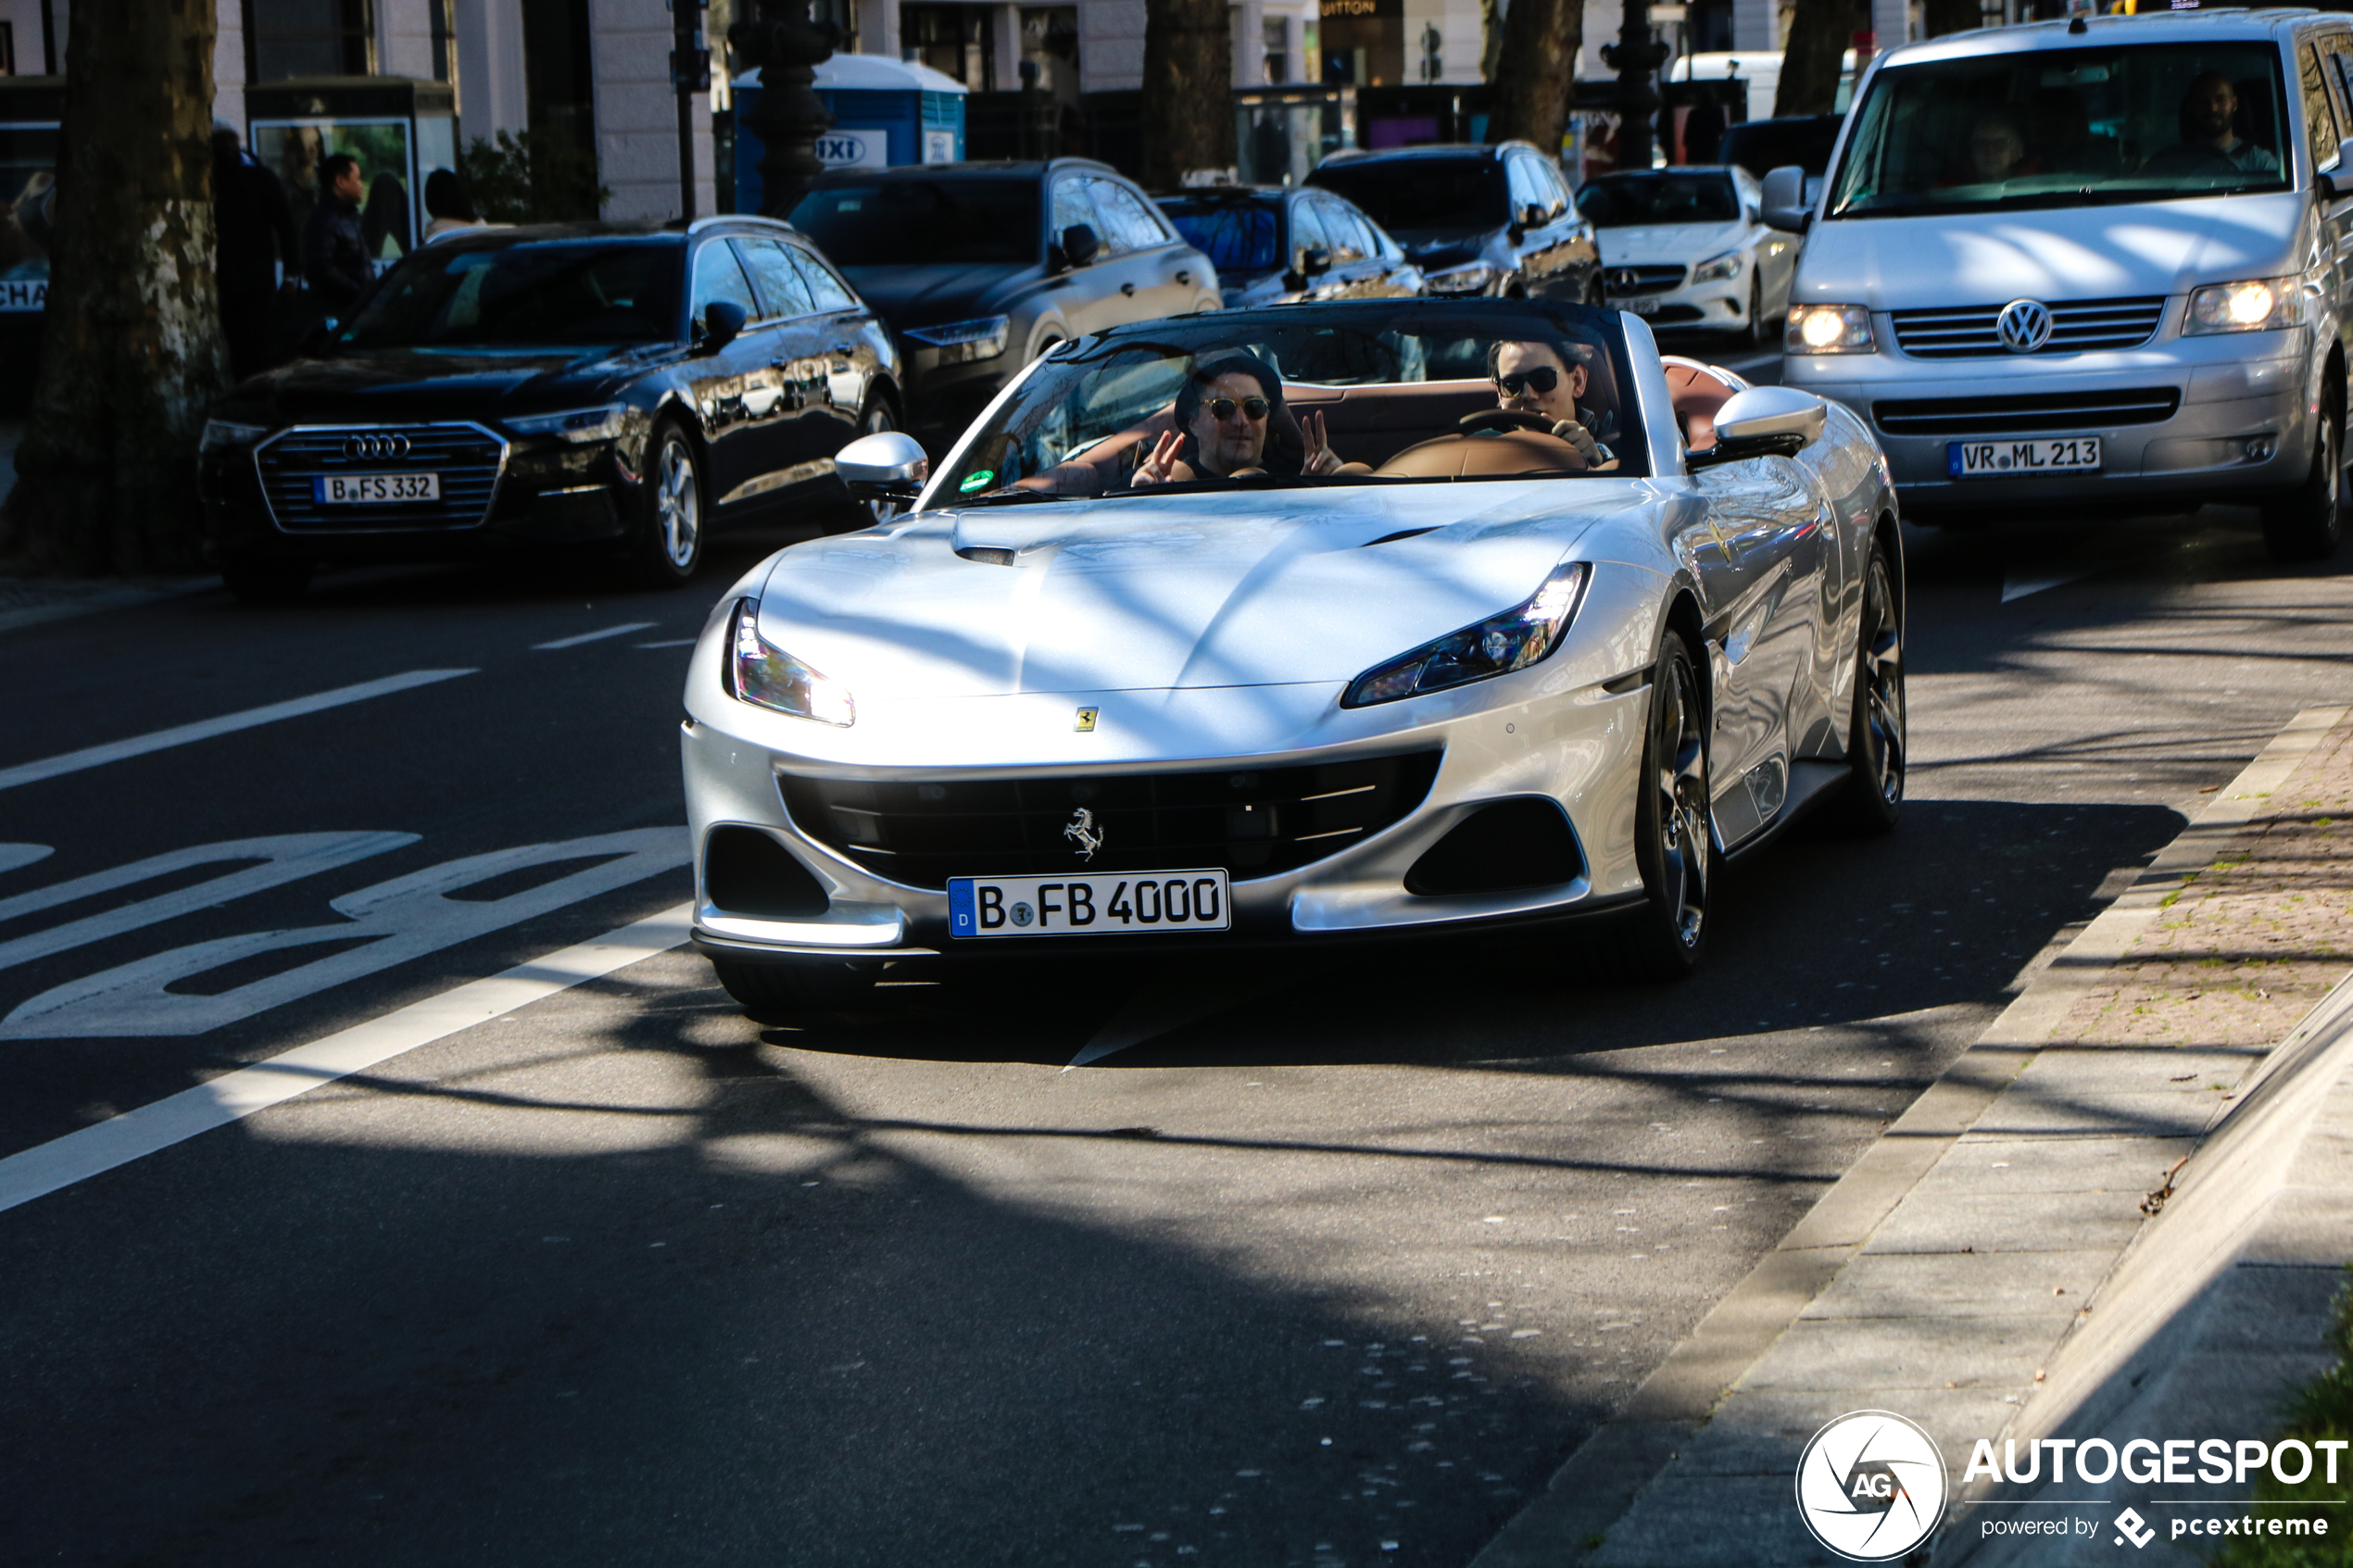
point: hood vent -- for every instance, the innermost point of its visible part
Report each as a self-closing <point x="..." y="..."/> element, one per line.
<point x="1401" y="534"/>
<point x="986" y="554"/>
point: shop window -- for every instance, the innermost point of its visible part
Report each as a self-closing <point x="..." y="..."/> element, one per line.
<point x="1277" y="38"/>
<point x="952" y="40"/>
<point x="291" y="38"/>
<point x="444" y="41"/>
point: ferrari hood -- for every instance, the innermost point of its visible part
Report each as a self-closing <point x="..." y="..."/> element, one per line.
<point x="1171" y="592"/>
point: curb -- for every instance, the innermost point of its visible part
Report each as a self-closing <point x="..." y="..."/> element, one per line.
<point x="1598" y="1484"/>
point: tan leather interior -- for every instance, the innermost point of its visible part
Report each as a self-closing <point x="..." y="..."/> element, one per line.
<point x="1488" y="454"/>
<point x="1697" y="391"/>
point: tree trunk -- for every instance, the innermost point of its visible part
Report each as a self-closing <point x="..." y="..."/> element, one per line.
<point x="1188" y="90"/>
<point x="1536" y="72"/>
<point x="1819" y="32"/>
<point x="131" y="353"/>
<point x="1941" y="16"/>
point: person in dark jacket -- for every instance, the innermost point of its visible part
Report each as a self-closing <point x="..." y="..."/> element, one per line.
<point x="1704" y="132"/>
<point x="256" y="257"/>
<point x="335" y="256"/>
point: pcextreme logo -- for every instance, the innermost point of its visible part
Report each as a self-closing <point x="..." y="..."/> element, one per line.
<point x="1870" y="1486"/>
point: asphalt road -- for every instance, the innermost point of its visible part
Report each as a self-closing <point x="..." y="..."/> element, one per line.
<point x="1314" y="1262"/>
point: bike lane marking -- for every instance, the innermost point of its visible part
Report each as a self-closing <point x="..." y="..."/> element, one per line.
<point x="94" y="1150"/>
<point x="228" y="723"/>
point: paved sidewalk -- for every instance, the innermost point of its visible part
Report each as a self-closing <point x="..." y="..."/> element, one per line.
<point x="1984" y="1241"/>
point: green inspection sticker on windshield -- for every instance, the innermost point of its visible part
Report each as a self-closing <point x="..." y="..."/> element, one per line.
<point x="978" y="479"/>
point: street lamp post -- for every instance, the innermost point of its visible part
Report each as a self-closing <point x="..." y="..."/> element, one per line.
<point x="790" y="117"/>
<point x="1635" y="56"/>
<point x="689" y="74"/>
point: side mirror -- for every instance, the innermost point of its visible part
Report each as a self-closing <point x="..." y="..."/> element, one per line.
<point x="1761" y="422"/>
<point x="722" y="321"/>
<point x="1081" y="245"/>
<point x="1785" y="207"/>
<point x="2325" y="186"/>
<point x="888" y="465"/>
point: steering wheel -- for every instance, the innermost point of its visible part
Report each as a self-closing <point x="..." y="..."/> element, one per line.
<point x="1504" y="418"/>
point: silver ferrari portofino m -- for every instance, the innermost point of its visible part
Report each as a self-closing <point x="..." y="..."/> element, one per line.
<point x="1297" y="626"/>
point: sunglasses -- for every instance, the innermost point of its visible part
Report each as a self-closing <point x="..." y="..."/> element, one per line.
<point x="1543" y="378"/>
<point x="1222" y="409"/>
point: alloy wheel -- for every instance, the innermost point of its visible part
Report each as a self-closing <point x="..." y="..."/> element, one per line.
<point x="1882" y="677"/>
<point x="678" y="506"/>
<point x="1680" y="749"/>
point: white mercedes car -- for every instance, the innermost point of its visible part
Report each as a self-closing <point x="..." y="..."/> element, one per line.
<point x="1297" y="626"/>
<point x="1688" y="247"/>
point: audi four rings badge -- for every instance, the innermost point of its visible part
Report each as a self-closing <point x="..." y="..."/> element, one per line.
<point x="375" y="448"/>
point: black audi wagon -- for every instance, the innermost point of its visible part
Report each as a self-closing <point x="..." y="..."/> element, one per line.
<point x="626" y="388"/>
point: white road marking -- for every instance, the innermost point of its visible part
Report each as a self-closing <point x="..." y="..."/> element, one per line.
<point x="14" y="854"/>
<point x="620" y="631"/>
<point x="391" y="923"/>
<point x="673" y="643"/>
<point x="2017" y="586"/>
<point x="78" y="1156"/>
<point x="286" y="858"/>
<point x="1169" y="1000"/>
<point x="228" y="723"/>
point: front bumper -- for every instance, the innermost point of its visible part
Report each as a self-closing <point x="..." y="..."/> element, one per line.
<point x="2242" y="426"/>
<point x="1550" y="730"/>
<point x="1720" y="305"/>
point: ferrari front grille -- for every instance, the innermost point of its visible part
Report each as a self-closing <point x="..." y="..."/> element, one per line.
<point x="1251" y="821"/>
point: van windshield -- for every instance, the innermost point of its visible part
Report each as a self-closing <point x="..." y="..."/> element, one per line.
<point x="2066" y="128"/>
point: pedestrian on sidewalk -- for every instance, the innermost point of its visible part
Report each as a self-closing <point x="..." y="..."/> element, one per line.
<point x="335" y="256"/>
<point x="257" y="259"/>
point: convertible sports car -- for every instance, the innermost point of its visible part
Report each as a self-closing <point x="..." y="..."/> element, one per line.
<point x="1303" y="625"/>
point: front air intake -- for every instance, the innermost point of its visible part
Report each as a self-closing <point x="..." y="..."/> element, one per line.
<point x="1501" y="848"/>
<point x="747" y="872"/>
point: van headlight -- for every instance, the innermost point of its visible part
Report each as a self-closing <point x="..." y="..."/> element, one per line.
<point x="759" y="672"/>
<point x="1829" y="329"/>
<point x="1497" y="646"/>
<point x="1716" y="268"/>
<point x="2258" y="305"/>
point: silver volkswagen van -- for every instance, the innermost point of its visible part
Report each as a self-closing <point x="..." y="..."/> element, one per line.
<point x="2095" y="262"/>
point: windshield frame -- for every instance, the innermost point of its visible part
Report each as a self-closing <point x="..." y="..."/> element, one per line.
<point x="2014" y="50"/>
<point x="1633" y="443"/>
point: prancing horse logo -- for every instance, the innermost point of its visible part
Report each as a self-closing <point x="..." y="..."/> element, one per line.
<point x="1083" y="831"/>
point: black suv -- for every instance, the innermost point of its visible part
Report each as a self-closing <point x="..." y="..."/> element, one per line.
<point x="1477" y="221"/>
<point x="617" y="385"/>
<point x="1273" y="245"/>
<point x="980" y="267"/>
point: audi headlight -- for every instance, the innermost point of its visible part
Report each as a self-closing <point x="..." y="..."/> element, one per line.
<point x="766" y="676"/>
<point x="980" y="338"/>
<point x="1714" y="269"/>
<point x="1497" y="646"/>
<point x="2258" y="305"/>
<point x="1473" y="278"/>
<point x="223" y="435"/>
<point x="1829" y="329"/>
<point x="573" y="424"/>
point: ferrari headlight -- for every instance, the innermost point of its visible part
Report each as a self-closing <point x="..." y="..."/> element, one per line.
<point x="2258" y="305"/>
<point x="1473" y="278"/>
<point x="980" y="338"/>
<point x="222" y="435"/>
<point x="1497" y="646"/>
<point x="1829" y="329"/>
<point x="1716" y="268"/>
<point x="573" y="424"/>
<point x="766" y="676"/>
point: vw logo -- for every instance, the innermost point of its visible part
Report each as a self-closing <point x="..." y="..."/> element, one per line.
<point x="2024" y="325"/>
<point x="1870" y="1486"/>
<point x="375" y="448"/>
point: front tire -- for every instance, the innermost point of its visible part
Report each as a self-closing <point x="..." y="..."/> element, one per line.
<point x="1872" y="797"/>
<point x="666" y="538"/>
<point x="785" y="993"/>
<point x="2307" y="524"/>
<point x="1674" y="843"/>
<point x="1754" y="336"/>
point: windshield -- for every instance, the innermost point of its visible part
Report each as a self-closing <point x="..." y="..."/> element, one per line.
<point x="1423" y="192"/>
<point x="1627" y="201"/>
<point x="924" y="222"/>
<point x="552" y="293"/>
<point x="1330" y="395"/>
<point x="2066" y="128"/>
<point x="1238" y="238"/>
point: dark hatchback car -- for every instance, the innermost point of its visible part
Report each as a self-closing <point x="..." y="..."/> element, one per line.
<point x="981" y="267"/>
<point x="623" y="387"/>
<point x="1477" y="221"/>
<point x="1273" y="245"/>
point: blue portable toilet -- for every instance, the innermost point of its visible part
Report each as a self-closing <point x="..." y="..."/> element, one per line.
<point x="886" y="113"/>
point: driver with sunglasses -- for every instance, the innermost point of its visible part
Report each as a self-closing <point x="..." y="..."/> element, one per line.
<point x="1222" y="418"/>
<point x="1547" y="379"/>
